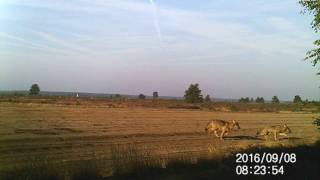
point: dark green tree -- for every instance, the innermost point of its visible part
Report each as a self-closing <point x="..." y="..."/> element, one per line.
<point x="313" y="8"/>
<point x="275" y="100"/>
<point x="244" y="100"/>
<point x="297" y="99"/>
<point x="142" y="96"/>
<point x="34" y="89"/>
<point x="155" y="95"/>
<point x="259" y="100"/>
<point x="193" y="94"/>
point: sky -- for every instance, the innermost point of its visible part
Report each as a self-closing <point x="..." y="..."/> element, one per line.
<point x="233" y="49"/>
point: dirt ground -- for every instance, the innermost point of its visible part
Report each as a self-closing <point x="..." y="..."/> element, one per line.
<point x="71" y="133"/>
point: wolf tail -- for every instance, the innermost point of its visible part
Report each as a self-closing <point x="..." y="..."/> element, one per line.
<point x="258" y="133"/>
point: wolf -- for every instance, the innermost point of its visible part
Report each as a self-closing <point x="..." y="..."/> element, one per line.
<point x="221" y="126"/>
<point x="281" y="130"/>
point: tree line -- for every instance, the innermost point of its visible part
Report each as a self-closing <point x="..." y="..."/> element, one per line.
<point x="191" y="95"/>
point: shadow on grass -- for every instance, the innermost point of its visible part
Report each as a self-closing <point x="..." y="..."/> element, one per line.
<point x="130" y="163"/>
<point x="241" y="138"/>
<point x="306" y="166"/>
<point x="259" y="138"/>
<point x="40" y="168"/>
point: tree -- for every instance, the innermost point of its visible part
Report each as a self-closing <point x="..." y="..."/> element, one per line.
<point x="251" y="100"/>
<point x="275" y="100"/>
<point x="142" y="96"/>
<point x="313" y="8"/>
<point x="259" y="100"/>
<point x="297" y="99"/>
<point x="207" y="98"/>
<point x="244" y="100"/>
<point x="193" y="94"/>
<point x="34" y="89"/>
<point x="155" y="95"/>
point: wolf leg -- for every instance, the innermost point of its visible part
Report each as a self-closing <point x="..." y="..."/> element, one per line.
<point x="284" y="134"/>
<point x="216" y="133"/>
<point x="222" y="134"/>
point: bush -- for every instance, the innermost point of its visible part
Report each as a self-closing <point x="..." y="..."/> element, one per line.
<point x="142" y="96"/>
<point x="317" y="122"/>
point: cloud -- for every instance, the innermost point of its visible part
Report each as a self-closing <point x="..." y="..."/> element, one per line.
<point x="280" y="23"/>
<point x="22" y="42"/>
<point x="56" y="41"/>
<point x="117" y="36"/>
<point x="181" y="22"/>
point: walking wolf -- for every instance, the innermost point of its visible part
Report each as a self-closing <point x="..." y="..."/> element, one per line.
<point x="281" y="130"/>
<point x="220" y="125"/>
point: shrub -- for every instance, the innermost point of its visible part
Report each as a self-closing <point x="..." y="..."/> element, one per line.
<point x="317" y="122"/>
<point x="142" y="96"/>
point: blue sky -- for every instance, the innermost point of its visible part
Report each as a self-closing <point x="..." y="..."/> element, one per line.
<point x="231" y="48"/>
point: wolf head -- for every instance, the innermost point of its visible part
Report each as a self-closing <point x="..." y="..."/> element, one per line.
<point x="235" y="123"/>
<point x="286" y="129"/>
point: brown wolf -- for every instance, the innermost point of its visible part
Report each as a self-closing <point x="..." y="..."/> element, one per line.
<point x="281" y="130"/>
<point x="220" y="125"/>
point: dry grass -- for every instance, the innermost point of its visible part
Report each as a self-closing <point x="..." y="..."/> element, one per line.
<point x="120" y="131"/>
<point x="130" y="163"/>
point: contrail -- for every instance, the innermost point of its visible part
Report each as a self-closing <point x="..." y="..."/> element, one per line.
<point x="156" y="21"/>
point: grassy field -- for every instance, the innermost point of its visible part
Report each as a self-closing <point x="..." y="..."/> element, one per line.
<point x="114" y="133"/>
